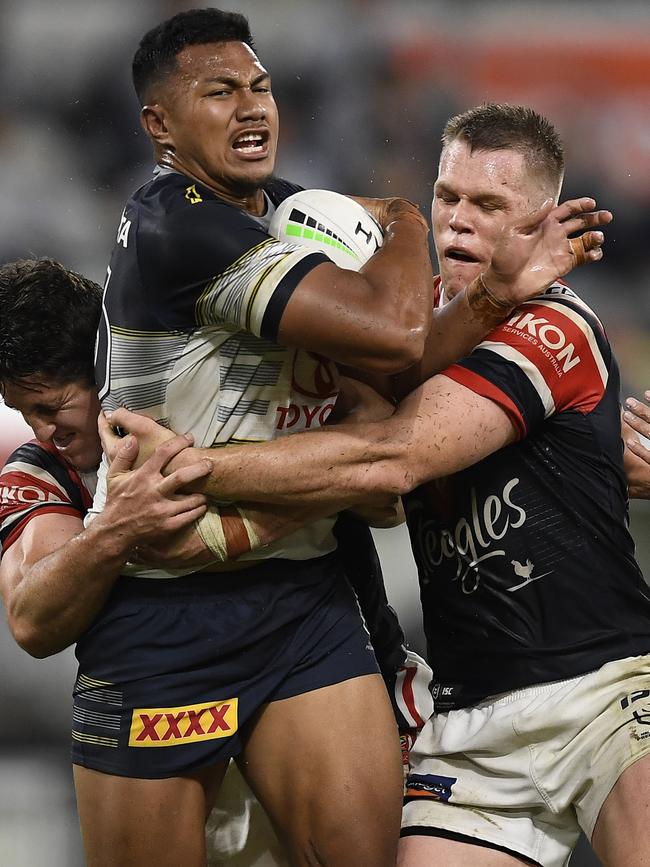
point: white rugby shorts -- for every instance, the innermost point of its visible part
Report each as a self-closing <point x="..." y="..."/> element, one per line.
<point x="238" y="831"/>
<point x="523" y="772"/>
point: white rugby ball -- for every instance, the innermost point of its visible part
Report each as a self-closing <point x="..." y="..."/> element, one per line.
<point x="330" y="223"/>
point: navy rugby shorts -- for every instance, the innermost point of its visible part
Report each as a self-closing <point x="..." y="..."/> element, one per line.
<point x="173" y="670"/>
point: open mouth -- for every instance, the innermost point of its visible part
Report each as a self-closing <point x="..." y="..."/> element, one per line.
<point x="459" y="255"/>
<point x="62" y="442"/>
<point x="252" y="143"/>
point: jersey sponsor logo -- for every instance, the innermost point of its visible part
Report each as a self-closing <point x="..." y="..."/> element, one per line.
<point x="549" y="338"/>
<point x="525" y="571"/>
<point x="472" y="540"/>
<point x="640" y="713"/>
<point x="445" y="691"/>
<point x="123" y="230"/>
<point x="10" y="494"/>
<point x="302" y="416"/>
<point x="435" y="787"/>
<point x="314" y="376"/>
<point x="445" y="695"/>
<point x="192" y="195"/>
<point x="172" y="726"/>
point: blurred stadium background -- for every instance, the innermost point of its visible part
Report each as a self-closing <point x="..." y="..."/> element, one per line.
<point x="364" y="89"/>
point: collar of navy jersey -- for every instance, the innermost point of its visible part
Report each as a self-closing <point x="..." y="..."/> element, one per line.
<point x="265" y="220"/>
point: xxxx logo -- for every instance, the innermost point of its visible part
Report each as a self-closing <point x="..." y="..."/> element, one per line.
<point x="171" y="726"/>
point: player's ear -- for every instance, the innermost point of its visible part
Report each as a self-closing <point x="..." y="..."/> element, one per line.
<point x="152" y="118"/>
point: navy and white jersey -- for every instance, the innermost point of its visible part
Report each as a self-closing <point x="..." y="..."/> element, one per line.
<point x="35" y="481"/>
<point x="526" y="565"/>
<point x="194" y="295"/>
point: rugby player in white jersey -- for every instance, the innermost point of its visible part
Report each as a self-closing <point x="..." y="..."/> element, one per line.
<point x="55" y="576"/>
<point x="536" y="614"/>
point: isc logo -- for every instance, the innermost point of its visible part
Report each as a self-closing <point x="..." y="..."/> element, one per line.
<point x="172" y="726"/>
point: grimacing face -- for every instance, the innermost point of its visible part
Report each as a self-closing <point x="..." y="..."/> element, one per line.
<point x="475" y="195"/>
<point x="216" y="113"/>
<point x="64" y="414"/>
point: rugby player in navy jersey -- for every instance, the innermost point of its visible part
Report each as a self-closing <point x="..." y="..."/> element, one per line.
<point x="55" y="576"/>
<point x="212" y="326"/>
<point x="536" y="614"/>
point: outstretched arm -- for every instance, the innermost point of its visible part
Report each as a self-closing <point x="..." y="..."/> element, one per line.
<point x="531" y="255"/>
<point x="439" y="429"/>
<point x="248" y="526"/>
<point x="56" y="576"/>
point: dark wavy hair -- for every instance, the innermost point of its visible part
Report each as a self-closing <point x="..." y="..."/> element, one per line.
<point x="48" y="321"/>
<point x="158" y="49"/>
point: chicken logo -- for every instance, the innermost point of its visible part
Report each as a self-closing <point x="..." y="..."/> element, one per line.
<point x="525" y="571"/>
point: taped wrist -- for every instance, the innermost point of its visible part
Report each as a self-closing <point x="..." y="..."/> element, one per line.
<point x="227" y="532"/>
<point x="484" y="303"/>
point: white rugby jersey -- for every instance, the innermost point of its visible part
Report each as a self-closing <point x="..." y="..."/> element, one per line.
<point x="194" y="295"/>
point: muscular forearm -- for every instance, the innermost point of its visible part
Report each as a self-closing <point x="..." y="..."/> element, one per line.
<point x="60" y="595"/>
<point x="402" y="280"/>
<point x="440" y="429"/>
<point x="228" y="532"/>
<point x="335" y="468"/>
<point x="457" y="327"/>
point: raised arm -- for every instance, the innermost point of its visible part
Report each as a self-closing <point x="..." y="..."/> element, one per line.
<point x="530" y="255"/>
<point x="377" y="318"/>
<point x="55" y="577"/>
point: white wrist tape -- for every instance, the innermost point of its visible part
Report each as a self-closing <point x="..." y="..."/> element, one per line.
<point x="210" y="529"/>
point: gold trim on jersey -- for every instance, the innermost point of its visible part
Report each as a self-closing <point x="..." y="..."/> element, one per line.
<point x="97" y="740"/>
<point x="210" y="286"/>
<point x="132" y="332"/>
<point x="92" y="681"/>
<point x="255" y="291"/>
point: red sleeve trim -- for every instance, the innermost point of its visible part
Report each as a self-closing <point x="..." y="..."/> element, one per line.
<point x="483" y="387"/>
<point x="409" y="698"/>
<point x="556" y="343"/>
<point x="18" y="529"/>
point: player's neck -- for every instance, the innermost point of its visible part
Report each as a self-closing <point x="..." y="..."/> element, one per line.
<point x="251" y="200"/>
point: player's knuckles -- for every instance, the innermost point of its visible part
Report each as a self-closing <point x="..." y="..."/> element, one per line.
<point x="172" y="446"/>
<point x="194" y="472"/>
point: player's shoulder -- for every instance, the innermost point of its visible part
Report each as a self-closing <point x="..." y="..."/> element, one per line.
<point x="279" y="189"/>
<point x="32" y="454"/>
<point x="40" y="465"/>
<point x="559" y="300"/>
<point x="173" y="195"/>
<point x="557" y="315"/>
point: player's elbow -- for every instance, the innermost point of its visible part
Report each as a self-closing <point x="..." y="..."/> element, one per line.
<point x="32" y="639"/>
<point x="400" y="349"/>
<point x="392" y="475"/>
